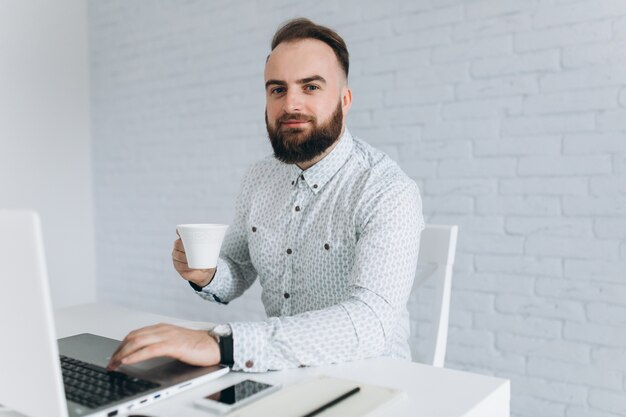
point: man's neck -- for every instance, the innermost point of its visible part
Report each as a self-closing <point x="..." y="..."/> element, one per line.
<point x="308" y="164"/>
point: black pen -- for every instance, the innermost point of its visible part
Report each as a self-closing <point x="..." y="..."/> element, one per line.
<point x="333" y="402"/>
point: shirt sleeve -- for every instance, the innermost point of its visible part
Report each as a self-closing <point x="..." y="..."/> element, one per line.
<point x="235" y="272"/>
<point x="362" y="325"/>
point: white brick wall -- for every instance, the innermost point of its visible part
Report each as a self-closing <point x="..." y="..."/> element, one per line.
<point x="510" y="114"/>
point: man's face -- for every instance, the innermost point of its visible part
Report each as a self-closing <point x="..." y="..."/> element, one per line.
<point x="307" y="100"/>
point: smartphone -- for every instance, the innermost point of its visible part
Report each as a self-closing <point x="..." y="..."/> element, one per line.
<point x="235" y="396"/>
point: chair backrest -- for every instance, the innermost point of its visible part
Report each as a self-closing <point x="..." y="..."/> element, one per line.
<point x="436" y="258"/>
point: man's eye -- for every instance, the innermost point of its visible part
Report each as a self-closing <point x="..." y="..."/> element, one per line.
<point x="312" y="87"/>
<point x="278" y="90"/>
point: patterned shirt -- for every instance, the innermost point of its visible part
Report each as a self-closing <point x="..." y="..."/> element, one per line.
<point x="335" y="249"/>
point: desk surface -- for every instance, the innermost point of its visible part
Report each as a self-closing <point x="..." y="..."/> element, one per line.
<point x="430" y="391"/>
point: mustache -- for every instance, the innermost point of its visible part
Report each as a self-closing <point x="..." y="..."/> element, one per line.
<point x="296" y="117"/>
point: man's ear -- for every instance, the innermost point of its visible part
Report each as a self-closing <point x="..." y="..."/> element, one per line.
<point x="346" y="99"/>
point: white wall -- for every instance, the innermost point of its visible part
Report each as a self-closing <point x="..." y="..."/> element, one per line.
<point x="510" y="114"/>
<point x="45" y="144"/>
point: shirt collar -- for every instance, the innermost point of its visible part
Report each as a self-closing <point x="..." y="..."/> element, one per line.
<point x="319" y="174"/>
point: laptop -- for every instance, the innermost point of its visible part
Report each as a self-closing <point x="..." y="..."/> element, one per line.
<point x="40" y="376"/>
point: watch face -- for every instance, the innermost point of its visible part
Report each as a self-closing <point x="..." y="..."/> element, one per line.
<point x="222" y="330"/>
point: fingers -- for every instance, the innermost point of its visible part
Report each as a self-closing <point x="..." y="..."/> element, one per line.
<point x="195" y="347"/>
<point x="148" y="352"/>
<point x="178" y="245"/>
<point x="179" y="256"/>
<point x="139" y="340"/>
<point x="179" y="248"/>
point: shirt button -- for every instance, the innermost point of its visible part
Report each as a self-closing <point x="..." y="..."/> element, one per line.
<point x="249" y="364"/>
<point x="297" y="208"/>
<point x="326" y="246"/>
<point x="301" y="177"/>
<point x="287" y="295"/>
<point x="253" y="229"/>
<point x="293" y="182"/>
<point x="314" y="185"/>
<point x="289" y="251"/>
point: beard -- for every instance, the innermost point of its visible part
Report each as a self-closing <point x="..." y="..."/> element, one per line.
<point x="294" y="145"/>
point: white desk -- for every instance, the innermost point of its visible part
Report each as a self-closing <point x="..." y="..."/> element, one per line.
<point x="431" y="392"/>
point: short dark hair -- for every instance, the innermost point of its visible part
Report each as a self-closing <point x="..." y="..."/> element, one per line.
<point x="303" y="28"/>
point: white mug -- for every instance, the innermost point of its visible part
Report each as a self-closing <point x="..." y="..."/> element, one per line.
<point x="202" y="243"/>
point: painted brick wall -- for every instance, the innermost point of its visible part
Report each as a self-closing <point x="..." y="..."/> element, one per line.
<point x="510" y="114"/>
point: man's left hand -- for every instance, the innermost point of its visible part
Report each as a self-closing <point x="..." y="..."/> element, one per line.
<point x="195" y="347"/>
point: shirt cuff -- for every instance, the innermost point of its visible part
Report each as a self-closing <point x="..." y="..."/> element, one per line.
<point x="249" y="346"/>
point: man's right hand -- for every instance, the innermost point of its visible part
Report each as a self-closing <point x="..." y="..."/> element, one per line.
<point x="200" y="277"/>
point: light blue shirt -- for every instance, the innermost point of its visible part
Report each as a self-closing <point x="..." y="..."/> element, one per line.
<point x="335" y="249"/>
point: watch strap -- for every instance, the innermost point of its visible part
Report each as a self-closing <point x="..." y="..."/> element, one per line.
<point x="226" y="349"/>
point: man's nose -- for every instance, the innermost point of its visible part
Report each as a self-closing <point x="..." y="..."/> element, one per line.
<point x="293" y="101"/>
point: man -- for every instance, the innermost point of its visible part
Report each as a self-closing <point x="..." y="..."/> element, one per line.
<point x="328" y="224"/>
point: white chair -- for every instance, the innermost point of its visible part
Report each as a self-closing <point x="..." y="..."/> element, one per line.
<point x="436" y="258"/>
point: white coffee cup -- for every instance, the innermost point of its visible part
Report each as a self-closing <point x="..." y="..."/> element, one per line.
<point x="202" y="243"/>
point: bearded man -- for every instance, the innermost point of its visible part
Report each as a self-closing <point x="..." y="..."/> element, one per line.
<point x="328" y="224"/>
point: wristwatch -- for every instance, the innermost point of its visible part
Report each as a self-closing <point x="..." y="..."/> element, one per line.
<point x="223" y="334"/>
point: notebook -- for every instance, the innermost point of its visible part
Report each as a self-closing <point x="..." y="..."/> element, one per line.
<point x="302" y="398"/>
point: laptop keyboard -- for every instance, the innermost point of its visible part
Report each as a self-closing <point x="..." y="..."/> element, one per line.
<point x="93" y="386"/>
